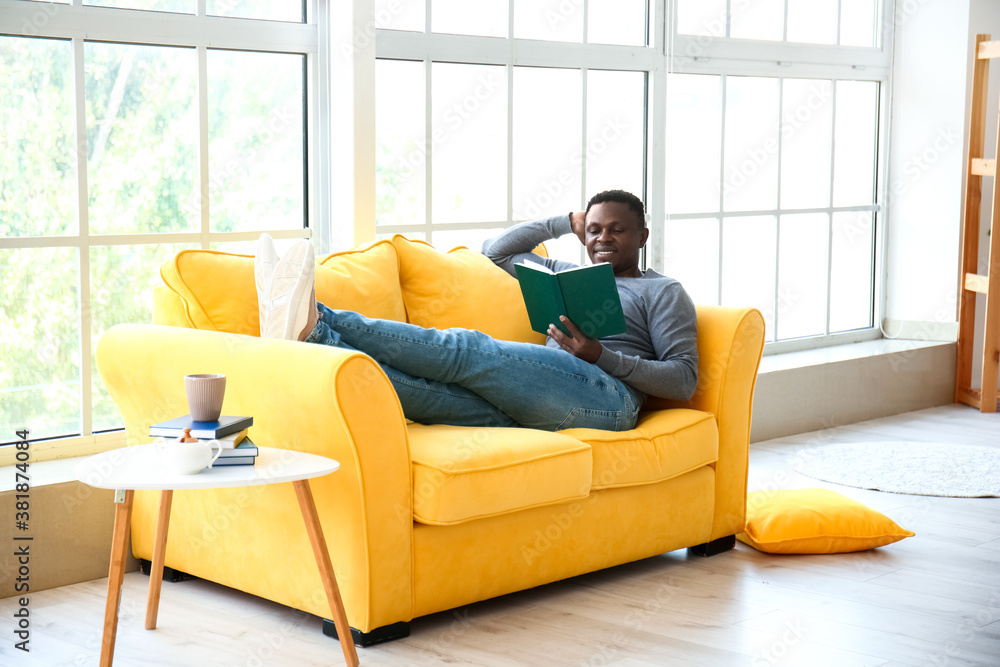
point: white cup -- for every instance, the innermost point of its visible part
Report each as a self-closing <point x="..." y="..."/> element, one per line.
<point x="187" y="458"/>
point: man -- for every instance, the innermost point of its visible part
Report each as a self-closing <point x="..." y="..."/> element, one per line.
<point x="466" y="378"/>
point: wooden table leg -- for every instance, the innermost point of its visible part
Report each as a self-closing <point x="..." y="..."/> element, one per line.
<point x="159" y="554"/>
<point x="315" y="530"/>
<point x="116" y="574"/>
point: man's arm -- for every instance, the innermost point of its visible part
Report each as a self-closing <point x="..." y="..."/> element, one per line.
<point x="515" y="244"/>
<point x="672" y="324"/>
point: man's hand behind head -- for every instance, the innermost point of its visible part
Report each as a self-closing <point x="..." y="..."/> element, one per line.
<point x="578" y="221"/>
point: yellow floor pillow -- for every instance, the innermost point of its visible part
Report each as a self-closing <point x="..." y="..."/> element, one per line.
<point x="815" y="521"/>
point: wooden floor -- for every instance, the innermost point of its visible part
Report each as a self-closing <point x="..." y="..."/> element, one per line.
<point x="933" y="599"/>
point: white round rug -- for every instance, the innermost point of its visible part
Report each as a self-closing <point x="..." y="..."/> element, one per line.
<point x="917" y="468"/>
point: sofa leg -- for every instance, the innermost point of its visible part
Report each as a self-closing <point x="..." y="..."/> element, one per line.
<point x="169" y="573"/>
<point x="386" y="633"/>
<point x="714" y="547"/>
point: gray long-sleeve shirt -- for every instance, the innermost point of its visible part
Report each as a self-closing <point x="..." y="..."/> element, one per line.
<point x="658" y="353"/>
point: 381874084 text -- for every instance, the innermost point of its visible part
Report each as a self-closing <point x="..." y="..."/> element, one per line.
<point x="22" y="541"/>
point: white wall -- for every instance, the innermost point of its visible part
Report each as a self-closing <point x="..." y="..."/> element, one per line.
<point x="926" y="158"/>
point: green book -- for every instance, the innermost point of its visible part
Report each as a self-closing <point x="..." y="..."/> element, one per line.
<point x="587" y="295"/>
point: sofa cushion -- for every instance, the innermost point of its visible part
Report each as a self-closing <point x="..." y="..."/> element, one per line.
<point x="365" y="279"/>
<point x="461" y="288"/>
<point x="218" y="292"/>
<point x="661" y="446"/>
<point x="216" y="288"/>
<point x="461" y="473"/>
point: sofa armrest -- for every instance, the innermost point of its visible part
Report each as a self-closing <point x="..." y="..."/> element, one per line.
<point x="730" y="344"/>
<point x="310" y="398"/>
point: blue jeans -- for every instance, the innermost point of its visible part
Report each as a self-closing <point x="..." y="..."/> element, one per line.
<point x="466" y="378"/>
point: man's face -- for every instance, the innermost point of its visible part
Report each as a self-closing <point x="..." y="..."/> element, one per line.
<point x="615" y="235"/>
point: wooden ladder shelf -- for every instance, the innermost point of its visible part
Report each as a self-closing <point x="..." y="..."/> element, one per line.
<point x="971" y="283"/>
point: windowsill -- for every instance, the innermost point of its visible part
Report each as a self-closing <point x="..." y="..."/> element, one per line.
<point x="43" y="473"/>
<point x="53" y="461"/>
<point x="829" y="355"/>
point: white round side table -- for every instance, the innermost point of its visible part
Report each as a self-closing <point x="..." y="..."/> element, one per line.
<point x="139" y="467"/>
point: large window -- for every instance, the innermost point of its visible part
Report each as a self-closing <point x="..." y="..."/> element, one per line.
<point x="472" y="136"/>
<point x="499" y="144"/>
<point x="753" y="130"/>
<point x="778" y="213"/>
<point x="772" y="136"/>
<point x="119" y="148"/>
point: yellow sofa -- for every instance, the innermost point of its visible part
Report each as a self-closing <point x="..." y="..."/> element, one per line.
<point x="421" y="519"/>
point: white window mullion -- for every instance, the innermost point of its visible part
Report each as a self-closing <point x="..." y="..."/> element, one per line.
<point x="156" y="28"/>
<point x="584" y="195"/>
<point x="428" y="125"/>
<point x="659" y="35"/>
<point x="784" y="23"/>
<point x="722" y="181"/>
<point x="667" y="29"/>
<point x="510" y="113"/>
<point x="756" y="213"/>
<point x="715" y="56"/>
<point x="318" y="131"/>
<point x="584" y="76"/>
<point x="83" y="220"/>
<point x="428" y="143"/>
<point x="829" y="217"/>
<point x="881" y="213"/>
<point x="777" y="218"/>
<point x="203" y="162"/>
<point x="510" y="141"/>
<point x="657" y="165"/>
<point x="840" y="9"/>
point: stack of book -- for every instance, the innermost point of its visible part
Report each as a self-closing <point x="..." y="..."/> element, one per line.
<point x="237" y="448"/>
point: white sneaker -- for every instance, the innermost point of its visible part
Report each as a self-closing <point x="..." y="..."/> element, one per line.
<point x="263" y="268"/>
<point x="284" y="288"/>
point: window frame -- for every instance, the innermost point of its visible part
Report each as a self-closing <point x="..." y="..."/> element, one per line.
<point x="77" y="24"/>
<point x="428" y="48"/>
<point x="669" y="52"/>
<point x="690" y="54"/>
